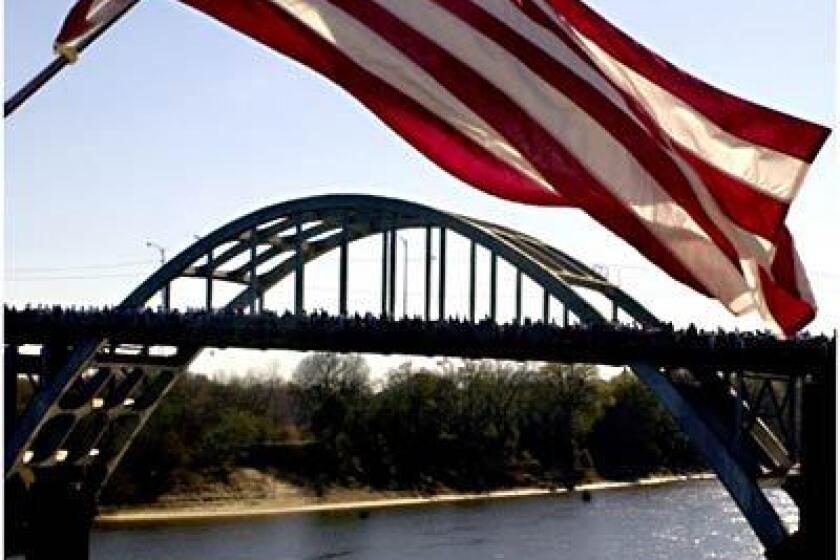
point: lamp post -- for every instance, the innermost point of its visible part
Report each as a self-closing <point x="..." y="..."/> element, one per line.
<point x="602" y="269"/>
<point x="165" y="291"/>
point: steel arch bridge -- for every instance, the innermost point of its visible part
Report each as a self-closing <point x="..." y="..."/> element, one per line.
<point x="96" y="394"/>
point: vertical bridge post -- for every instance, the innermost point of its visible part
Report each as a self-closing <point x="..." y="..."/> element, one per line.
<point x="384" y="278"/>
<point x="166" y="296"/>
<point x="518" y="296"/>
<point x="299" y="263"/>
<point x="252" y="272"/>
<point x="342" y="274"/>
<point x="442" y="276"/>
<point x="493" y="285"/>
<point x="472" y="281"/>
<point x="392" y="271"/>
<point x="427" y="287"/>
<point x="546" y="306"/>
<point x="209" y="290"/>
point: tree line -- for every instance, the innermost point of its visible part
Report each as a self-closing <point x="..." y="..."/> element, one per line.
<point x="464" y="426"/>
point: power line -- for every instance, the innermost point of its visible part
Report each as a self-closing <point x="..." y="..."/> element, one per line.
<point x="89" y="277"/>
<point x="122" y="264"/>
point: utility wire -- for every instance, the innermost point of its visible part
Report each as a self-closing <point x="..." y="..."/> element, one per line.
<point x="122" y="264"/>
<point x="89" y="277"/>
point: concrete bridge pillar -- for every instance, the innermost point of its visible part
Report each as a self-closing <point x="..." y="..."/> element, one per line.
<point x="49" y="514"/>
<point x="814" y="489"/>
<point x="817" y="514"/>
<point x="60" y="519"/>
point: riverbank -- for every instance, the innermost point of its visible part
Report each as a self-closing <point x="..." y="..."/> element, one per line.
<point x="294" y="500"/>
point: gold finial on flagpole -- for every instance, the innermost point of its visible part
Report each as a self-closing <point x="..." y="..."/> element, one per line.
<point x="67" y="51"/>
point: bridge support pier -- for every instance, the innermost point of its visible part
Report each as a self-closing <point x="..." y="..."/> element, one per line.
<point x="61" y="515"/>
<point x="814" y="489"/>
<point x="817" y="512"/>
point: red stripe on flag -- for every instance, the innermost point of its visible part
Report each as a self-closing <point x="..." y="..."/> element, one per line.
<point x="790" y="312"/>
<point x="782" y="292"/>
<point x="749" y="121"/>
<point x="750" y="209"/>
<point x="784" y="263"/>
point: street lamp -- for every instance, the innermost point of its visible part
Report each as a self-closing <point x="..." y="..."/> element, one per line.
<point x="165" y="291"/>
<point x="602" y="269"/>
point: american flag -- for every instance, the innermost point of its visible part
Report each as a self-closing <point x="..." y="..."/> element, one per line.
<point x="545" y="102"/>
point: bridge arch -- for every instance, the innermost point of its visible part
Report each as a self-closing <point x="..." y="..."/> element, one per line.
<point x="306" y="229"/>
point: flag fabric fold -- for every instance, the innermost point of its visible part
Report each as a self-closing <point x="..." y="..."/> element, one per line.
<point x="85" y="19"/>
<point x="545" y="102"/>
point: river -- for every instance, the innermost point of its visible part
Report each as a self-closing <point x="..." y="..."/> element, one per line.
<point x="685" y="520"/>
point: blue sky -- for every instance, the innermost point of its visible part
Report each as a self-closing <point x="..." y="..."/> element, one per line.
<point x="172" y="125"/>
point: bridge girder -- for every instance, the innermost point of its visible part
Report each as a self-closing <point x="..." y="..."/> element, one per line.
<point x="287" y="237"/>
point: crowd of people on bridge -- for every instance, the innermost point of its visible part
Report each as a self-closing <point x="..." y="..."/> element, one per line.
<point x="606" y="343"/>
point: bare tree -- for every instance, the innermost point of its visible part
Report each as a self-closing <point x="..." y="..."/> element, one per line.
<point x="330" y="373"/>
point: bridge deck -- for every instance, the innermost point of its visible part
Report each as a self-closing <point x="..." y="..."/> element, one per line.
<point x="599" y="344"/>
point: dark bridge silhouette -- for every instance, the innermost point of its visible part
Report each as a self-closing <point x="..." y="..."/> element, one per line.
<point x="603" y="344"/>
<point x="98" y="376"/>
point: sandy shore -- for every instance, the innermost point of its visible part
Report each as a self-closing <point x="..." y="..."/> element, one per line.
<point x="341" y="500"/>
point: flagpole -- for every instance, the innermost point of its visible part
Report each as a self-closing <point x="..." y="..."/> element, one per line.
<point x="56" y="66"/>
<point x="34" y="85"/>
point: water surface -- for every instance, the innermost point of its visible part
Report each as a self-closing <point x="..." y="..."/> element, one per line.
<point x="686" y="520"/>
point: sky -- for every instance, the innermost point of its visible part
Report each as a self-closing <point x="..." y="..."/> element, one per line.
<point x="172" y="125"/>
